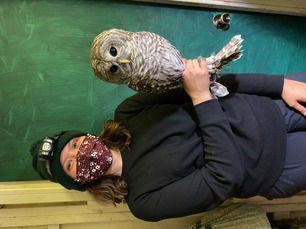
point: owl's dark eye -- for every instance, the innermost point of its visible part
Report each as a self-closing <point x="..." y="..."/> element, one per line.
<point x="113" y="69"/>
<point x="113" y="51"/>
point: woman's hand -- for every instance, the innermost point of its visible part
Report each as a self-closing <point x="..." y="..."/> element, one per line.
<point x="195" y="79"/>
<point x="294" y="92"/>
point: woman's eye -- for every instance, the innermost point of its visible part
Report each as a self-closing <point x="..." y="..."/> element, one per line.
<point x="113" y="69"/>
<point x="69" y="164"/>
<point x="75" y="144"/>
<point x="113" y="51"/>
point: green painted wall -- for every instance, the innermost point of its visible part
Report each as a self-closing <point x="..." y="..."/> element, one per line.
<point x="46" y="83"/>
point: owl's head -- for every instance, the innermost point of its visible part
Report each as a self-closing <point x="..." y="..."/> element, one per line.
<point x="110" y="56"/>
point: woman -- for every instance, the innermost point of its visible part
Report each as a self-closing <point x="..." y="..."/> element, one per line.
<point x="183" y="152"/>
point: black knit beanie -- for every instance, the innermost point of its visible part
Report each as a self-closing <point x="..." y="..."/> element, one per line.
<point x="46" y="154"/>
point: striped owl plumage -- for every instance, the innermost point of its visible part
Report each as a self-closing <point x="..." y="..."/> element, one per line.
<point x="147" y="62"/>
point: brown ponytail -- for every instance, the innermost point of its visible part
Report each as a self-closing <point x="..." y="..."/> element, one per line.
<point x="108" y="190"/>
<point x="115" y="135"/>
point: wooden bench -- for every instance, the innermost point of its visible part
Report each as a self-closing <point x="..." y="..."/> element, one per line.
<point x="37" y="203"/>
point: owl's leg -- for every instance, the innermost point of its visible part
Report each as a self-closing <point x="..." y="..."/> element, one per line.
<point x="218" y="90"/>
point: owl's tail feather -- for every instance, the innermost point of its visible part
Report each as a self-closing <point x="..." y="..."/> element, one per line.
<point x="230" y="52"/>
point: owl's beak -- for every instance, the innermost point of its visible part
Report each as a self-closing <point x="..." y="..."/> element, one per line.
<point x="124" y="61"/>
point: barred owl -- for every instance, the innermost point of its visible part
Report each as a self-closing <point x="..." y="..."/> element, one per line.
<point x="147" y="62"/>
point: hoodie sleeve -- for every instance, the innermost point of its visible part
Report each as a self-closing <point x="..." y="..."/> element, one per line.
<point x="259" y="84"/>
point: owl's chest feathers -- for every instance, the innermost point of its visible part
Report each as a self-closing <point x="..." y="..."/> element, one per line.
<point x="155" y="59"/>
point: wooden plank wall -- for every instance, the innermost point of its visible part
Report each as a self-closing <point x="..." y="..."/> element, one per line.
<point x="292" y="7"/>
<point x="42" y="204"/>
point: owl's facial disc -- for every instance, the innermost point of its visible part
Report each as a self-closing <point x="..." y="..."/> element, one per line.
<point x="111" y="57"/>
